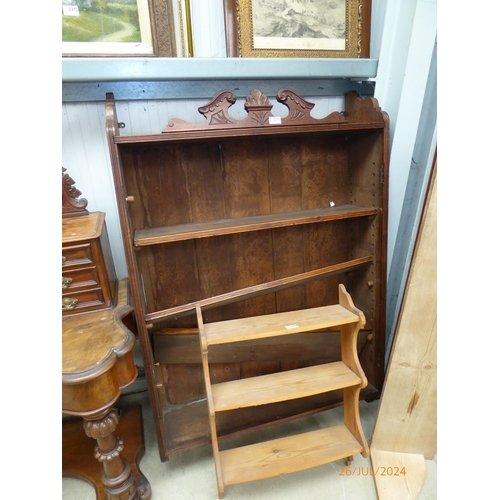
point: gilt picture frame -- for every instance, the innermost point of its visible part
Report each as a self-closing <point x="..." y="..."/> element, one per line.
<point x="298" y="28"/>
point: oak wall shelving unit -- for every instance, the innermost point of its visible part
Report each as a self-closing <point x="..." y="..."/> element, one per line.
<point x="250" y="217"/>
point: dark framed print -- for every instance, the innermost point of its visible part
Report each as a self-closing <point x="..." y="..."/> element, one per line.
<point x="298" y="28"/>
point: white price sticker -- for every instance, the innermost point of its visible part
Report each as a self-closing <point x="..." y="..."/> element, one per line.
<point x="275" y="120"/>
<point x="71" y="10"/>
<point x="289" y="327"/>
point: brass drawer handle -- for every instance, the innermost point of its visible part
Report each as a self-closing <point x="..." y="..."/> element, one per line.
<point x="63" y="259"/>
<point x="68" y="303"/>
<point x="66" y="282"/>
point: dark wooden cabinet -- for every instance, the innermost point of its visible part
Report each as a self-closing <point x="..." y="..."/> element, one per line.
<point x="245" y="218"/>
<point x="88" y="274"/>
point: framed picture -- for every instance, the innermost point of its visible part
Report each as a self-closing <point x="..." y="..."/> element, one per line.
<point x="126" y="28"/>
<point x="298" y="28"/>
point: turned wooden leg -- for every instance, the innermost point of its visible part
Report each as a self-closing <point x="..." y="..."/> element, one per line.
<point x="116" y="474"/>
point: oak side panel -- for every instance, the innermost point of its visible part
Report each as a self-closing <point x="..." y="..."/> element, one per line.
<point x="246" y="186"/>
<point x="184" y="383"/>
<point x="169" y="274"/>
<point x="288" y="256"/>
<point x="246" y="193"/>
<point x="326" y="243"/>
<point x="324" y="170"/>
<point x="204" y="172"/>
<point x="253" y="264"/>
<point x="285" y="186"/>
<point x="285" y="176"/>
<point x="324" y="180"/>
<point x="216" y="267"/>
<point x="368" y="159"/>
<point x="156" y="178"/>
<point x="205" y="179"/>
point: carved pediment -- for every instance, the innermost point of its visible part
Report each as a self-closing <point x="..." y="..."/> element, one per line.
<point x="72" y="205"/>
<point x="259" y="110"/>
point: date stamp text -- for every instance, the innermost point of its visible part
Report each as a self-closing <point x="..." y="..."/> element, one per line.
<point x="370" y="471"/>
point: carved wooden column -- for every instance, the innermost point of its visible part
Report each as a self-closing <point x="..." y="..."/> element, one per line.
<point x="92" y="381"/>
<point x="116" y="475"/>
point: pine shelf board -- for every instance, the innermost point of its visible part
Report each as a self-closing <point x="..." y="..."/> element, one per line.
<point x="286" y="455"/>
<point x="271" y="325"/>
<point x="283" y="386"/>
<point x="181" y="232"/>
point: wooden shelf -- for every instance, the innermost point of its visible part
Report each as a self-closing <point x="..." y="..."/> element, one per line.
<point x="211" y="134"/>
<point x="283" y="386"/>
<point x="180" y="232"/>
<point x="285" y="455"/>
<point x="256" y="290"/>
<point x="298" y="452"/>
<point x="228" y="218"/>
<point x="272" y="325"/>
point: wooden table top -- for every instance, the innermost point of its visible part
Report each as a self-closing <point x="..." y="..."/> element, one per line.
<point x="88" y="339"/>
<point x="84" y="227"/>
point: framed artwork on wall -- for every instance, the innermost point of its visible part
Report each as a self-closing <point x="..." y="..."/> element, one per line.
<point x="126" y="28"/>
<point x="298" y="28"/>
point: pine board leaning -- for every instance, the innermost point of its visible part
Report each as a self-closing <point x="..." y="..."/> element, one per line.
<point x="407" y="420"/>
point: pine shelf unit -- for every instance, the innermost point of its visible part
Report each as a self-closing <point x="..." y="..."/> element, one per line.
<point x="249" y="217"/>
<point x="296" y="452"/>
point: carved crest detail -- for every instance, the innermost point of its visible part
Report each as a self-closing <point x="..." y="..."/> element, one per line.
<point x="224" y="99"/>
<point x="298" y="115"/>
<point x="285" y="95"/>
<point x="257" y="98"/>
<point x="218" y="118"/>
<point x="260" y="117"/>
<point x="259" y="112"/>
<point x="71" y="205"/>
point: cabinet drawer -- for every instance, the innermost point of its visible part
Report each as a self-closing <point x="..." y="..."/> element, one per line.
<point x="85" y="300"/>
<point x="77" y="254"/>
<point x="81" y="277"/>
